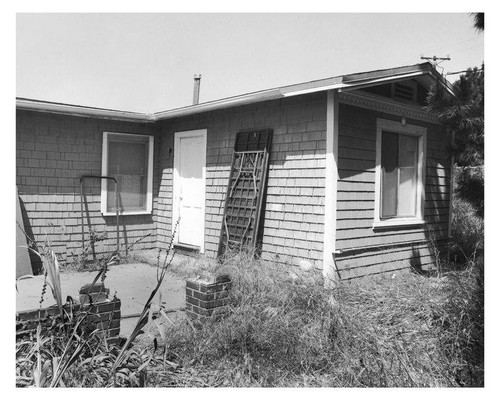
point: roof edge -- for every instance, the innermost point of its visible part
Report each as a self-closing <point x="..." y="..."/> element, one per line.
<point x="341" y="83"/>
<point x="244" y="99"/>
<point x="335" y="83"/>
<point x="80" y="111"/>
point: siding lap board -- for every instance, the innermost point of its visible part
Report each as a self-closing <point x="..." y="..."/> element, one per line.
<point x="356" y="199"/>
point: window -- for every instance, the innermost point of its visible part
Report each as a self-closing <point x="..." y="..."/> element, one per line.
<point x="129" y="159"/>
<point x="399" y="193"/>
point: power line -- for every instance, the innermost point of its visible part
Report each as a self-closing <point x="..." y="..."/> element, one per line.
<point x="467" y="48"/>
<point x="454" y="73"/>
<point x="450" y="45"/>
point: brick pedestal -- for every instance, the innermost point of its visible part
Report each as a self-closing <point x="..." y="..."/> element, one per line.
<point x="207" y="298"/>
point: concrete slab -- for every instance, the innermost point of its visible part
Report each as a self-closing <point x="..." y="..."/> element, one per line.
<point x="132" y="283"/>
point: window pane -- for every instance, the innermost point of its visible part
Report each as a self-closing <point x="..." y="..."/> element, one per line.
<point x="389" y="165"/>
<point x="407" y="191"/>
<point x="408" y="146"/>
<point x="127" y="158"/>
<point x="128" y="163"/>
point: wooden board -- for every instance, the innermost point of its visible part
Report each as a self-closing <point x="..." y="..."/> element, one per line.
<point x="23" y="263"/>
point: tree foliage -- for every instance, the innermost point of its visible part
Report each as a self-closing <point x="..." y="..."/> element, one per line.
<point x="464" y="116"/>
<point x="478" y="21"/>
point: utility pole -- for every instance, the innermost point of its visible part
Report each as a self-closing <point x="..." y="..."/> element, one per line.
<point x="436" y="61"/>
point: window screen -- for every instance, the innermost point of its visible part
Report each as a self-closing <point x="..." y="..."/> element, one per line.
<point x="127" y="160"/>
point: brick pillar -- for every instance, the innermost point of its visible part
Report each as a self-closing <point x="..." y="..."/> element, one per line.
<point x="206" y="298"/>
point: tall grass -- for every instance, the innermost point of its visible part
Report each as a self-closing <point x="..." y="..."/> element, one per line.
<point x="51" y="269"/>
<point x="285" y="329"/>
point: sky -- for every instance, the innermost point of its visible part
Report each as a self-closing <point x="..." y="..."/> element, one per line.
<point x="146" y="62"/>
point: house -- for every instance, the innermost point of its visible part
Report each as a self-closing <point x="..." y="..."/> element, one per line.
<point x="358" y="172"/>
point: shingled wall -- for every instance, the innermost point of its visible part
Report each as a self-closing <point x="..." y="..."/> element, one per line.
<point x="293" y="219"/>
<point x="52" y="152"/>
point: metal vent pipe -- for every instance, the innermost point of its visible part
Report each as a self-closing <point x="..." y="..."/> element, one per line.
<point x="196" y="89"/>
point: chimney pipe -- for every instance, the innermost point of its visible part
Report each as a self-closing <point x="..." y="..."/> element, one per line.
<point x="196" y="89"/>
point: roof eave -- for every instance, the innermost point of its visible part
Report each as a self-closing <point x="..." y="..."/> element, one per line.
<point x="80" y="111"/>
<point x="267" y="95"/>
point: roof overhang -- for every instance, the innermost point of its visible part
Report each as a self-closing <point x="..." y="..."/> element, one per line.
<point x="81" y="111"/>
<point x="425" y="73"/>
<point x="235" y="101"/>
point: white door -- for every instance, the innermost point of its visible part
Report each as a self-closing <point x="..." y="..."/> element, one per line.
<point x="189" y="187"/>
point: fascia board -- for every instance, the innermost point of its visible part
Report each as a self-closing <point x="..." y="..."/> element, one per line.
<point x="79" y="111"/>
<point x="272" y="94"/>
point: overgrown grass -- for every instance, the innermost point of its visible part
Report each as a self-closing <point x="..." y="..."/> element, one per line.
<point x="285" y="329"/>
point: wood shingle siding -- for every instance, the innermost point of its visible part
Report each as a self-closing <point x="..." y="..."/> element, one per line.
<point x="294" y="207"/>
<point x="52" y="152"/>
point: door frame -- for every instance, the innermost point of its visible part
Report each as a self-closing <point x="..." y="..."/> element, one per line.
<point x="175" y="184"/>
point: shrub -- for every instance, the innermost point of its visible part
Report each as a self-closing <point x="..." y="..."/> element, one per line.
<point x="469" y="186"/>
<point x="467" y="231"/>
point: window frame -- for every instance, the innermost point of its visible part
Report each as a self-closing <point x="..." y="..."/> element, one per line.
<point x="400" y="128"/>
<point x="149" y="139"/>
